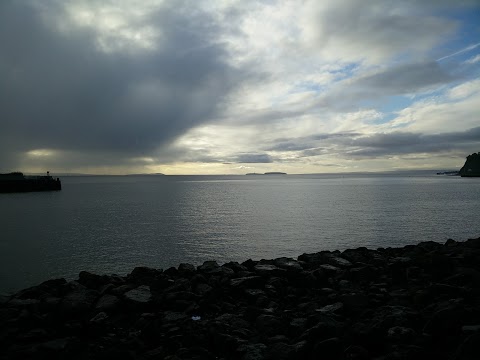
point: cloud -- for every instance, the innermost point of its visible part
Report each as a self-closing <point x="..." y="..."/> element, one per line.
<point x="192" y="85"/>
<point x="289" y="146"/>
<point x="307" y="142"/>
<point x="401" y="143"/>
<point x="350" y="94"/>
<point x="378" y="145"/>
<point x="64" y="92"/>
<point x="313" y="152"/>
<point x="452" y="110"/>
<point x="404" y="79"/>
<point x="253" y="158"/>
<point x="473" y="60"/>
<point x="375" y="30"/>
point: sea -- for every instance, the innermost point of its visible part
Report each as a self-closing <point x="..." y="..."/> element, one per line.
<point x="112" y="224"/>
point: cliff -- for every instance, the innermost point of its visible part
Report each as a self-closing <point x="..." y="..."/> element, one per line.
<point x="471" y="167"/>
<point x="416" y="302"/>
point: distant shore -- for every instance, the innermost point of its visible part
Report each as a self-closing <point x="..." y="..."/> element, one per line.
<point x="419" y="301"/>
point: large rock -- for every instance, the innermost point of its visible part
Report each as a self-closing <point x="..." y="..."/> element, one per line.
<point x="139" y="295"/>
<point x="186" y="269"/>
<point x="288" y="264"/>
<point x="448" y="319"/>
<point x="144" y="275"/>
<point x="253" y="351"/>
<point x="329" y="349"/>
<point x="471" y="168"/>
<point x="267" y="270"/>
<point x="269" y="325"/>
<point x="469" y="349"/>
<point x="247" y="282"/>
<point x="78" y="301"/>
<point x="107" y="303"/>
<point x="49" y="288"/>
<point x="92" y="281"/>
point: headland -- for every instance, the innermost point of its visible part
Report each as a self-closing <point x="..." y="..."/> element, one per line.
<point x="471" y="168"/>
<point x="416" y="302"/>
<point x="17" y="182"/>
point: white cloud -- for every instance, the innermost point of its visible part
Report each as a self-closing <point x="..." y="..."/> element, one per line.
<point x="473" y="60"/>
<point x="464" y="90"/>
<point x="116" y="26"/>
<point x="455" y="110"/>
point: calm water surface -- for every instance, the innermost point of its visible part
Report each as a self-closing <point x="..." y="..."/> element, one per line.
<point x="110" y="224"/>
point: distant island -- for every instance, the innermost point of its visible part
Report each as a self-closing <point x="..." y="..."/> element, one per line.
<point x="268" y="173"/>
<point x="448" y="173"/>
<point x="146" y="174"/>
<point x="471" y="167"/>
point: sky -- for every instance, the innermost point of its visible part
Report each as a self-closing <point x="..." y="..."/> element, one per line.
<point x="230" y="87"/>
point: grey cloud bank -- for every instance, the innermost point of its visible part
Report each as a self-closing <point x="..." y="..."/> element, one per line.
<point x="400" y="143"/>
<point x="61" y="92"/>
<point x="253" y="158"/>
<point x="386" y="29"/>
<point x="405" y="78"/>
<point x="380" y="145"/>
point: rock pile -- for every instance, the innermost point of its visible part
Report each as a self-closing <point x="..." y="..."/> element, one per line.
<point x="416" y="302"/>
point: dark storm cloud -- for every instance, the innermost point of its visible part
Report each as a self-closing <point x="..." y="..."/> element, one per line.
<point x="59" y="91"/>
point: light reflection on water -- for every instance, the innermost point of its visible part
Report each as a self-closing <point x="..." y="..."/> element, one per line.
<point x="112" y="224"/>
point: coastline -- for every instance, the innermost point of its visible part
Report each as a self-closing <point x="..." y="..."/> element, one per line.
<point x="418" y="301"/>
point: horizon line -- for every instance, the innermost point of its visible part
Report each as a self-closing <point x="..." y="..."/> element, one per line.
<point x="243" y="174"/>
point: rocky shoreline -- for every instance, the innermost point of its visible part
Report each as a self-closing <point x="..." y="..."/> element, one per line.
<point x="416" y="302"/>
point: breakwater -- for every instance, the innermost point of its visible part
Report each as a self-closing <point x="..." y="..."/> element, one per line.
<point x="17" y="182"/>
<point x="416" y="302"/>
